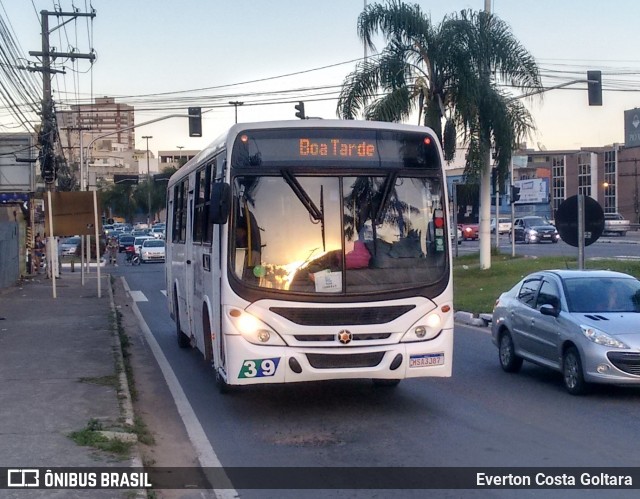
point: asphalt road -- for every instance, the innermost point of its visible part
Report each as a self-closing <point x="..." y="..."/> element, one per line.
<point x="479" y="417"/>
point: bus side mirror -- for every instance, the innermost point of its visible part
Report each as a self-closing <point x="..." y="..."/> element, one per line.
<point x="220" y="203"/>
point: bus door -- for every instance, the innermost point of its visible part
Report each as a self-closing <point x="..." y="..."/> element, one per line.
<point x="189" y="267"/>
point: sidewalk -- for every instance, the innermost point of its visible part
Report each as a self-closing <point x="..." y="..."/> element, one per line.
<point x="58" y="373"/>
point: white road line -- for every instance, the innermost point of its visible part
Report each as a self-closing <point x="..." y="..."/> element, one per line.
<point x="164" y="292"/>
<point x="206" y="455"/>
<point x="137" y="296"/>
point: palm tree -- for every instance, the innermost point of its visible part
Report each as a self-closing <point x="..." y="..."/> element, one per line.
<point x="409" y="72"/>
<point x="447" y="72"/>
<point x="482" y="46"/>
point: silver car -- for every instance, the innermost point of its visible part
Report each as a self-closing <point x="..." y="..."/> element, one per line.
<point x="583" y="323"/>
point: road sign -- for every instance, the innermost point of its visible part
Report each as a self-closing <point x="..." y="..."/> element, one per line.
<point x="567" y="220"/>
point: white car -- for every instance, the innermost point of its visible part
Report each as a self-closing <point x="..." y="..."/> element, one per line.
<point x="137" y="242"/>
<point x="153" y="250"/>
<point x="157" y="232"/>
<point x="504" y="225"/>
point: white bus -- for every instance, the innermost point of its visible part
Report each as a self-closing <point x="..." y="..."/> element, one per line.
<point x="313" y="250"/>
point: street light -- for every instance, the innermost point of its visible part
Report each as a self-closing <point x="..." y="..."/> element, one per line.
<point x="148" y="181"/>
<point x="180" y="148"/>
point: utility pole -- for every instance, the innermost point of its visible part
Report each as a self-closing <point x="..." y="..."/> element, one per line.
<point x="48" y="131"/>
<point x="236" y="103"/>
<point x="148" y="181"/>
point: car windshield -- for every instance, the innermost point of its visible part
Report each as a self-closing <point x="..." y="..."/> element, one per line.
<point x="153" y="243"/>
<point x="71" y="240"/>
<point x="533" y="221"/>
<point x="356" y="234"/>
<point x="591" y="294"/>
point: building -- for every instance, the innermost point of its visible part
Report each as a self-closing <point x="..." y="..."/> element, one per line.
<point x="104" y="131"/>
<point x="608" y="174"/>
<point x="174" y="159"/>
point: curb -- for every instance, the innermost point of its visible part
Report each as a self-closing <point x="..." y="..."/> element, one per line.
<point x="482" y="320"/>
<point x="124" y="393"/>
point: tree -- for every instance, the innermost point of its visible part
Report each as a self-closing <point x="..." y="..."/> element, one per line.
<point x="447" y="72"/>
<point x="408" y="73"/>
<point x="483" y="49"/>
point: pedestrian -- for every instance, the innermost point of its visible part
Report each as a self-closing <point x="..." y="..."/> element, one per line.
<point x="38" y="254"/>
<point x="112" y="250"/>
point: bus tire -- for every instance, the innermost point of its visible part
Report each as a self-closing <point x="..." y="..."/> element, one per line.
<point x="223" y="386"/>
<point x="183" y="339"/>
<point x="386" y="382"/>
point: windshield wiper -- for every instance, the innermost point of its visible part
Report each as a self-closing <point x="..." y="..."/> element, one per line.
<point x="387" y="187"/>
<point x="316" y="214"/>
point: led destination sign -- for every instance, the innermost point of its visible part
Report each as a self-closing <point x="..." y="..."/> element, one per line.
<point x="337" y="148"/>
<point x="334" y="147"/>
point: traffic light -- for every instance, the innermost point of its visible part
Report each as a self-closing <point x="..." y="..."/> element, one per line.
<point x="515" y="194"/>
<point x="300" y="110"/>
<point x="195" y="122"/>
<point x="594" y="87"/>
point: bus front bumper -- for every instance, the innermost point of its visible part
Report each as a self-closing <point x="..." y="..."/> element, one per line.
<point x="248" y="363"/>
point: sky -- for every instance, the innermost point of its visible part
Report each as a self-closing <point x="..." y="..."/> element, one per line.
<point x="202" y="53"/>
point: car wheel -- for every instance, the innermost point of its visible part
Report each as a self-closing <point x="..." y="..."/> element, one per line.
<point x="509" y="361"/>
<point x="572" y="374"/>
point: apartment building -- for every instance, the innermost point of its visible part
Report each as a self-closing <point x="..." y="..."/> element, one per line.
<point x="102" y="130"/>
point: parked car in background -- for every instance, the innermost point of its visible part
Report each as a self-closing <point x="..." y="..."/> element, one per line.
<point x="469" y="231"/>
<point x="615" y="224"/>
<point x="504" y="225"/>
<point x="157" y="232"/>
<point x="534" y="229"/>
<point x="583" y="323"/>
<point x="152" y="250"/>
<point x="68" y="246"/>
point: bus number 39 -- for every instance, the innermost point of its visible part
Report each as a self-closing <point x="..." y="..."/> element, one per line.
<point x="259" y="368"/>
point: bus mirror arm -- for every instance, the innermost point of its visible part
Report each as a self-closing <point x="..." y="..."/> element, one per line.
<point x="220" y="203"/>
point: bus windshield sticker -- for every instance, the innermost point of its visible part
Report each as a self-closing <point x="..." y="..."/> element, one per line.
<point x="259" y="368"/>
<point x="327" y="281"/>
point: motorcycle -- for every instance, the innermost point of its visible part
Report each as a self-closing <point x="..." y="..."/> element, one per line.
<point x="132" y="257"/>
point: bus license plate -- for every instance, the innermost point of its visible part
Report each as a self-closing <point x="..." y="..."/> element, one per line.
<point x="427" y="360"/>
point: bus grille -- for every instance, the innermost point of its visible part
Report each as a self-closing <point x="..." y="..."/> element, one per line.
<point x="627" y="362"/>
<point x="344" y="361"/>
<point x="333" y="337"/>
<point x="341" y="316"/>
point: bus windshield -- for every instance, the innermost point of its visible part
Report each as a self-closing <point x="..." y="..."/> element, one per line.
<point x="338" y="234"/>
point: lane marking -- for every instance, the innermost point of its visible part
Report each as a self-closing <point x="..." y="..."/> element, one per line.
<point x="164" y="292"/>
<point x="137" y="296"/>
<point x="206" y="455"/>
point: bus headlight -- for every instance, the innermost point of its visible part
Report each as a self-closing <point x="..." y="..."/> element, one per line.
<point x="425" y="329"/>
<point x="253" y="329"/>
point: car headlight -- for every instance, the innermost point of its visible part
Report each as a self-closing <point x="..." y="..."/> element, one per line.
<point x="533" y="232"/>
<point x="601" y="338"/>
<point x="253" y="329"/>
<point x="425" y="329"/>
